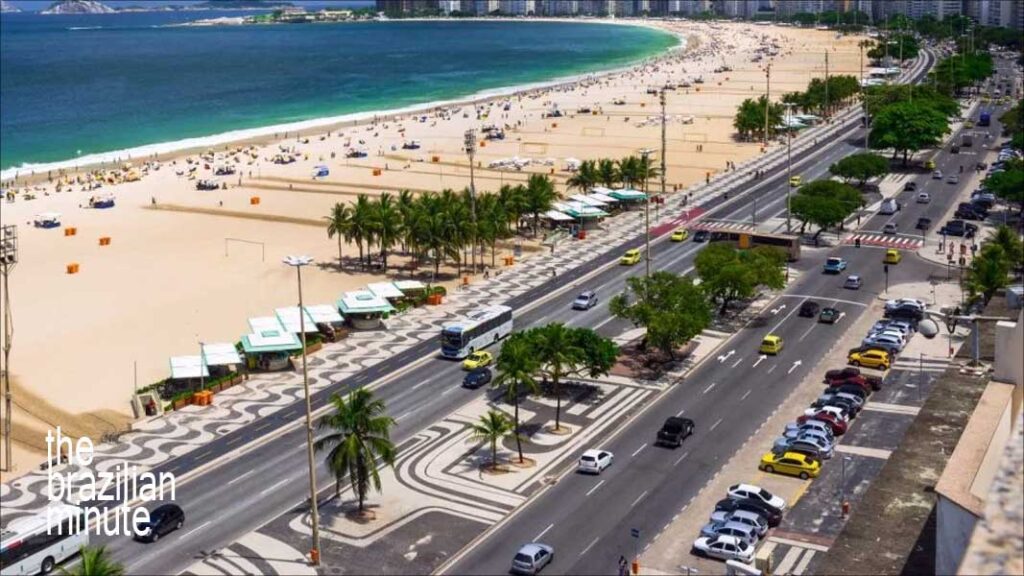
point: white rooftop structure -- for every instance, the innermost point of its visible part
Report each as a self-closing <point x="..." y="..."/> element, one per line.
<point x="363" y="302"/>
<point x="405" y="285"/>
<point x="385" y="290"/>
<point x="265" y="324"/>
<point x="188" y="367"/>
<point x="602" y="198"/>
<point x="558" y="216"/>
<point x="324" y="313"/>
<point x="221" y="354"/>
<point x="588" y="200"/>
<point x="289" y="318"/>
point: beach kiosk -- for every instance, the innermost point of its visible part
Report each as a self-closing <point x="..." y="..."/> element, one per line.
<point x="386" y="290"/>
<point x="214" y="361"/>
<point x="585" y="215"/>
<point x="556" y="219"/>
<point x="363" y="309"/>
<point x="411" y="288"/>
<point x="322" y="319"/>
<point x="629" y="198"/>
<point x="610" y="204"/>
<point x="269" y="346"/>
<point x="47" y="220"/>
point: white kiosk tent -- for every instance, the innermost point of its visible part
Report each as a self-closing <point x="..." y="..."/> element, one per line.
<point x="269" y="345"/>
<point x="385" y="291"/>
<point x="198" y="366"/>
<point x="289" y="319"/>
<point x="364" y="309"/>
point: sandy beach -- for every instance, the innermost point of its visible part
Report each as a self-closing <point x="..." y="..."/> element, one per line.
<point x="172" y="275"/>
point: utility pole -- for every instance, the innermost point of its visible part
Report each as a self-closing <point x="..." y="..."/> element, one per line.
<point x="470" y="142"/>
<point x="789" y="167"/>
<point x="646" y="154"/>
<point x="664" y="147"/>
<point x="8" y="258"/>
<point x="767" y="99"/>
<point x="826" y="84"/>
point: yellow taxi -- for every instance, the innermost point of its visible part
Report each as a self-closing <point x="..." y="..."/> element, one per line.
<point x="771" y="344"/>
<point x="680" y="235"/>
<point x="477" y="359"/>
<point x="969" y="124"/>
<point x="878" y="359"/>
<point x="791" y="464"/>
<point x="892" y="256"/>
<point x="630" y="257"/>
<point x="795" y="180"/>
<point x="930" y="165"/>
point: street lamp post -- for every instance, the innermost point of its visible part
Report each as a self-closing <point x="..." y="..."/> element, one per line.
<point x="470" y="143"/>
<point x="645" y="154"/>
<point x="789" y="167"/>
<point x="298" y="262"/>
<point x="8" y="258"/>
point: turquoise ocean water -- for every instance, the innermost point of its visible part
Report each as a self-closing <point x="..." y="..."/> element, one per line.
<point x="75" y="86"/>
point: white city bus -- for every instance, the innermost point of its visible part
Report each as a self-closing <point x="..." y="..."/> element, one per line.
<point x="36" y="544"/>
<point x="479" y="329"/>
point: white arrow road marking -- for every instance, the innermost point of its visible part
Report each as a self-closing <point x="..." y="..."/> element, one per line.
<point x="775" y="311"/>
<point x="760" y="359"/>
<point x="726" y="356"/>
<point x="841" y="314"/>
<point x="794" y="367"/>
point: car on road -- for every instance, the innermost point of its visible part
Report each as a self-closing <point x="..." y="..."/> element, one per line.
<point x="755" y="520"/>
<point x="828" y="315"/>
<point x="680" y="235"/>
<point x="923" y="197"/>
<point x="910" y="186"/>
<point x="163" y="520"/>
<point x="585" y="301"/>
<point x="953" y="179"/>
<point x="834" y="265"/>
<point x="889" y="228"/>
<point x="740" y="491"/>
<point x="930" y="165"/>
<point x="878" y="359"/>
<point x="838" y="425"/>
<point x="771" y="344"/>
<point x="923" y="223"/>
<point x="532" y="558"/>
<point x="631" y="257"/>
<point x="744" y="532"/>
<point x="809" y="309"/>
<point x="701" y="236"/>
<point x="477" y="378"/>
<point x="795" y="180"/>
<point x="853" y="282"/>
<point x="959" y="228"/>
<point x="772" y="516"/>
<point x="892" y="256"/>
<point x="594" y="461"/>
<point x="937" y="175"/>
<point x="791" y="464"/>
<point x="724" y="548"/>
<point x="899" y="302"/>
<point x="477" y="359"/>
<point x="674" y="431"/>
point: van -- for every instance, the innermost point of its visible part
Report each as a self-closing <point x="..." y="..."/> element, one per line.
<point x="889" y="206"/>
<point x="771" y="344"/>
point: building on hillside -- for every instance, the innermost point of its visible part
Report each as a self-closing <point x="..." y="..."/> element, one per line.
<point x="996" y="13"/>
<point x="399" y="8"/>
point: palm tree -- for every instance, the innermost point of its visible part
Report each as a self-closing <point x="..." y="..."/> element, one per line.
<point x="558" y="356"/>
<point x="339" y="224"/>
<point x="457" y="225"/>
<point x="361" y="229"/>
<point x="585" y="178"/>
<point x="628" y="171"/>
<point x="491" y="428"/>
<point x="429" y="228"/>
<point x="607" y="172"/>
<point x="646" y="170"/>
<point x="516" y="366"/>
<point x="406" y="206"/>
<point x="492" y="223"/>
<point x="360" y="435"/>
<point x="387" y="225"/>
<point x="540" y="194"/>
<point x="95" y="561"/>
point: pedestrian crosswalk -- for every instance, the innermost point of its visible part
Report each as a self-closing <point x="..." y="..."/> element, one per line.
<point x="712" y="225"/>
<point x="886" y="240"/>
<point x="930" y="364"/>
<point x="790" y="556"/>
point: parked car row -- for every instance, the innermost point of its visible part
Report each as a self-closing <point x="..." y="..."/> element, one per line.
<point x="889" y="336"/>
<point x="739" y="522"/>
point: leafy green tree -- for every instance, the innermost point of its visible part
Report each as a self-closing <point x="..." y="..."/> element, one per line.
<point x="905" y="127"/>
<point x="672" y="308"/>
<point x="359" y="434"/>
<point x="338" y="224"/>
<point x="1006" y="238"/>
<point x="564" y="352"/>
<point x="877" y="98"/>
<point x="516" y="366"/>
<point x="513" y="203"/>
<point x="988" y="273"/>
<point x="749" y="120"/>
<point x="892" y="48"/>
<point x="361" y="226"/>
<point x="862" y="167"/>
<point x="824" y="203"/>
<point x="586" y="177"/>
<point x="387" y="225"/>
<point x="728" y="274"/>
<point x="492" y="428"/>
<point x="95" y="561"/>
<point x="1009" y="185"/>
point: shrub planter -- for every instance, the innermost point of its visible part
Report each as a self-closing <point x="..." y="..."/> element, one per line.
<point x="314" y="347"/>
<point x="181" y="403"/>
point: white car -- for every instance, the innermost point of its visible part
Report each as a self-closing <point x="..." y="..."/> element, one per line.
<point x="889" y="228"/>
<point x="923" y="198"/>
<point x="891" y="333"/>
<point x="836" y="412"/>
<point x="743" y="532"/>
<point x="724" y="548"/>
<point x="594" y="461"/>
<point x="893" y="304"/>
<point x="741" y="491"/>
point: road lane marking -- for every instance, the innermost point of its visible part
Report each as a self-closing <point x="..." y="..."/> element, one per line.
<point x="772" y="368"/>
<point x="421" y="383"/>
<point x="792" y="555"/>
<point x="639" y="449"/>
<point x="799" y="543"/>
<point x="237" y="478"/>
<point x="235" y="439"/>
<point x="681" y="458"/>
<point x="448" y="391"/>
<point x="596" y="486"/>
<point x="638" y="499"/>
<point x="892" y="408"/>
<point x="203" y="455"/>
<point x="603" y="322"/>
<point x="268" y="489"/>
<point x="864" y="451"/>
<point x="708" y="389"/>
<point x="196" y="529"/>
<point x="680" y="413"/>
<point x="784" y="318"/>
<point x="744" y="397"/>
<point x="541" y="535"/>
<point x="715" y="425"/>
<point x="737" y="363"/>
<point x="804" y="561"/>
<point x="851" y="302"/>
<point x="589" y="546"/>
<point x="404" y="414"/>
<point x="261" y="426"/>
<point x="808" y="331"/>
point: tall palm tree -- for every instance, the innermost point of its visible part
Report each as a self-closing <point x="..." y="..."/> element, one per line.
<point x="491" y="428"/>
<point x="492" y="223"/>
<point x="361" y="229"/>
<point x="607" y="172"/>
<point x="406" y="205"/>
<point x="646" y="169"/>
<point x="558" y="355"/>
<point x="359" y="437"/>
<point x="585" y="177"/>
<point x="516" y="366"/>
<point x="95" y="561"/>
<point x="628" y="171"/>
<point x="387" y="225"/>
<point x="430" y="226"/>
<point x="338" y="224"/>
<point x="511" y="200"/>
<point x="540" y="194"/>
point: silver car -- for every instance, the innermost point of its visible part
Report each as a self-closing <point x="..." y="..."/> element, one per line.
<point x="740" y="531"/>
<point x="853" y="282"/>
<point x="532" y="558"/>
<point x="757" y="521"/>
<point x="798" y="431"/>
<point x="813" y="445"/>
<point x="887" y="343"/>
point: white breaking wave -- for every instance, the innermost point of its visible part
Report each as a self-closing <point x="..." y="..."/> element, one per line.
<point x="84" y="28"/>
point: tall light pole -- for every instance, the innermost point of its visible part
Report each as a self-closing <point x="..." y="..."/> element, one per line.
<point x="767" y="99"/>
<point x="298" y="262"/>
<point x="789" y="166"/>
<point x="470" y="142"/>
<point x="826" y="83"/>
<point x="646" y="154"/>
<point x="8" y="258"/>
<point x="664" y="145"/>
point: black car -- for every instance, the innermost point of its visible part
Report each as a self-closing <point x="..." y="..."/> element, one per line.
<point x="810" y="309"/>
<point x="923" y="223"/>
<point x="772" y="516"/>
<point x="954" y="149"/>
<point x="701" y="236"/>
<point x="855" y="389"/>
<point x="477" y="378"/>
<point x="912" y="313"/>
<point x="965" y="213"/>
<point x="978" y="207"/>
<point x="163" y="520"/>
<point x="910" y="186"/>
<point x="959" y="228"/>
<point x="674" y="431"/>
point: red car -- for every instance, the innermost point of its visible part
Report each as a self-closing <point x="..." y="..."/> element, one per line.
<point x="853" y="376"/>
<point x="838" y="426"/>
